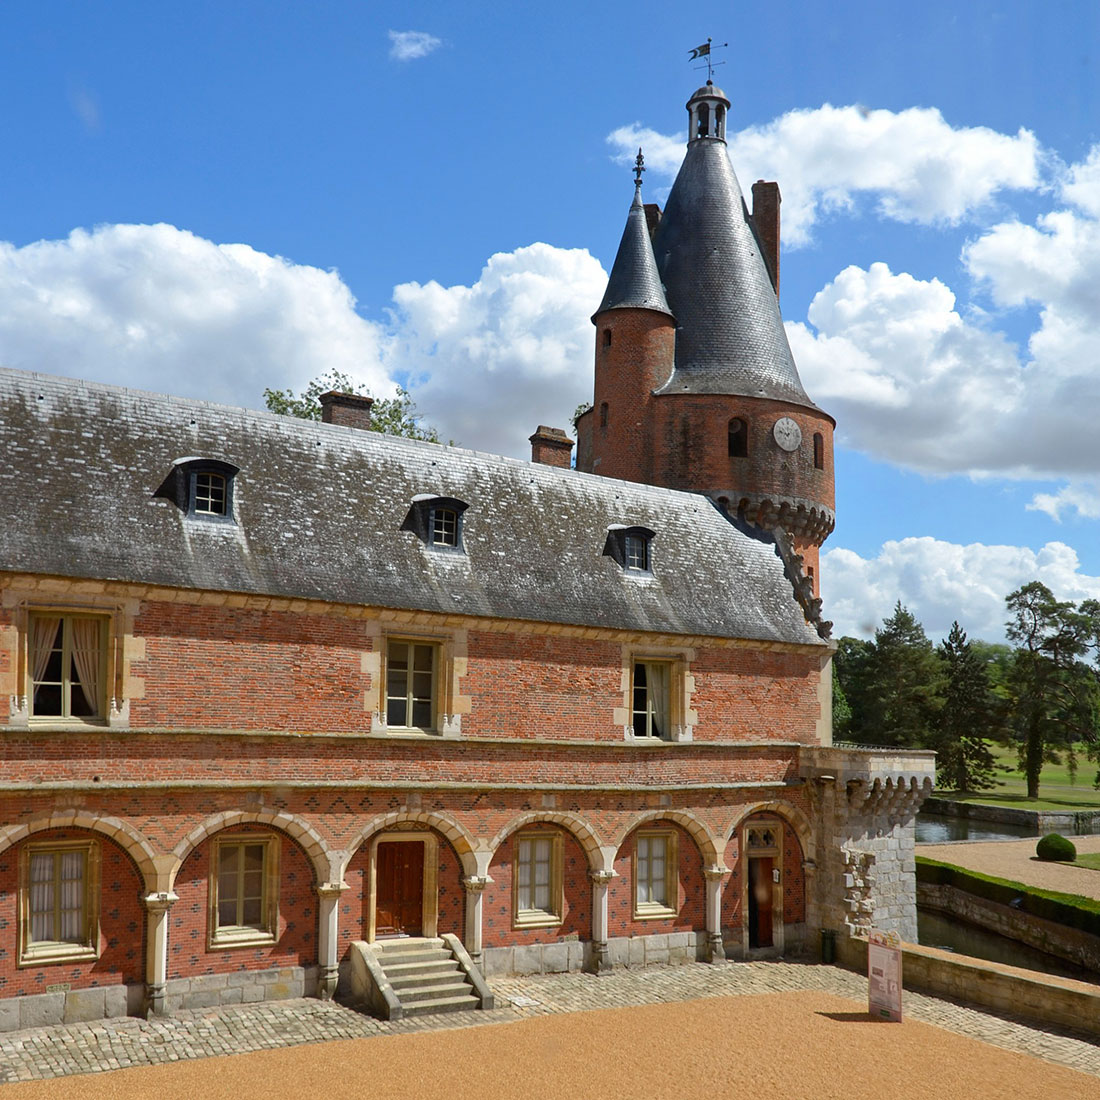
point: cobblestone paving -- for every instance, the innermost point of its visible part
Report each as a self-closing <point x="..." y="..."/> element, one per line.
<point x="113" y="1044"/>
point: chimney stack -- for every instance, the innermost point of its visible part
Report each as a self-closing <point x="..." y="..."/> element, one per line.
<point x="765" y="218"/>
<point x="349" y="410"/>
<point x="551" y="447"/>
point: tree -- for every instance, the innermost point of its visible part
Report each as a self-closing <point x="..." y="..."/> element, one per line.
<point x="850" y="682"/>
<point x="1053" y="691"/>
<point x="842" y="712"/>
<point x="970" y="713"/>
<point x="903" y="684"/>
<point x="392" y="415"/>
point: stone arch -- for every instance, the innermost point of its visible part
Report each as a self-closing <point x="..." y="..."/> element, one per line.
<point x="704" y="839"/>
<point x="294" y="827"/>
<point x="576" y="826"/>
<point x="136" y="846"/>
<point x="788" y="812"/>
<point x="458" y="837"/>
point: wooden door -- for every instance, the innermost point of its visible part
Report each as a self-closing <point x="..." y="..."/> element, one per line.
<point x="399" y="888"/>
<point x="760" y="902"/>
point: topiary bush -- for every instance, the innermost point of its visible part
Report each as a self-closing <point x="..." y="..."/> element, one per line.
<point x="1055" y="849"/>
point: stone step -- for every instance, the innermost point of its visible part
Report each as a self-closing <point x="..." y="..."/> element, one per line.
<point x="407" y="958"/>
<point x="409" y="965"/>
<point x="441" y="1004"/>
<point x="418" y="978"/>
<point x="440" y="991"/>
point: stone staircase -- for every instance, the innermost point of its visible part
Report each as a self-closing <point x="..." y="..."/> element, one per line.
<point x="412" y="976"/>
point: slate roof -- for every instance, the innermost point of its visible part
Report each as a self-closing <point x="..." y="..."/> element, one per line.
<point x="319" y="510"/>
<point x="634" y="282"/>
<point x="730" y="337"/>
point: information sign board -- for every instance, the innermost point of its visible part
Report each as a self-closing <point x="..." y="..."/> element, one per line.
<point x="884" y="975"/>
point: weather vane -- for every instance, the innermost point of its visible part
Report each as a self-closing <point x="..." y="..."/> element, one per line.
<point x="639" y="168"/>
<point x="704" y="52"/>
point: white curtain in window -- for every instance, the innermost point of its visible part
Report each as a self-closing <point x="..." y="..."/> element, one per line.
<point x="72" y="897"/>
<point x="41" y="897"/>
<point x="87" y="657"/>
<point x="658" y="681"/>
<point x="42" y="637"/>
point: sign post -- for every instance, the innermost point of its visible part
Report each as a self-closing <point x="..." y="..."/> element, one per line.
<point x="884" y="975"/>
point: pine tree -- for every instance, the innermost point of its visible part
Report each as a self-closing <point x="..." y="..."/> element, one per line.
<point x="904" y="683"/>
<point x="969" y="715"/>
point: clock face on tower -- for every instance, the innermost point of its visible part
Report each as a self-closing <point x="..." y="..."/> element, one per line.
<point x="787" y="433"/>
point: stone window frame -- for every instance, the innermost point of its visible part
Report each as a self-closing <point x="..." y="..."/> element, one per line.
<point x="448" y="704"/>
<point x="554" y="914"/>
<point x="101" y="705"/>
<point x="223" y="937"/>
<point x="651" y="910"/>
<point x="681" y="685"/>
<point x="47" y="952"/>
<point x="121" y="649"/>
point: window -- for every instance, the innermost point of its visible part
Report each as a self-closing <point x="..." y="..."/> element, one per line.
<point x="738" y="440"/>
<point x="603" y="414"/>
<point x="444" y="527"/>
<point x="631" y="547"/>
<point x="656" y="882"/>
<point x="607" y="337"/>
<point x="244" y="890"/>
<point x="68" y="666"/>
<point x="636" y="552"/>
<point x="411" y="669"/>
<point x="650" y="698"/>
<point x="819" y="451"/>
<point x="59" y="901"/>
<point x="210" y="493"/>
<point x="537" y="879"/>
<point x="437" y="521"/>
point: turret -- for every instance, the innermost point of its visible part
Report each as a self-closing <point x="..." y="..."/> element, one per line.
<point x="696" y="387"/>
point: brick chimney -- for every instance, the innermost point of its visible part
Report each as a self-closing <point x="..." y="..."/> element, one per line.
<point x="349" y="410"/>
<point x="765" y="217"/>
<point x="551" y="447"/>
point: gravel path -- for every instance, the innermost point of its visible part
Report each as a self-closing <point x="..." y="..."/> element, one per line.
<point x="769" y="1047"/>
<point x="1015" y="859"/>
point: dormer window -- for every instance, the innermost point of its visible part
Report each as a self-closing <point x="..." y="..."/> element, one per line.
<point x="631" y="547"/>
<point x="436" y="521"/>
<point x="201" y="488"/>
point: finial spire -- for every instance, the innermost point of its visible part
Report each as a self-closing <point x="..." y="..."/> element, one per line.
<point x="639" y="168"/>
<point x="704" y="52"/>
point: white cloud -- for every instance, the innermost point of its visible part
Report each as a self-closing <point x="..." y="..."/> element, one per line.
<point x="921" y="169"/>
<point x="156" y="307"/>
<point x="411" y="45"/>
<point x="496" y="359"/>
<point x="942" y="581"/>
<point x="1082" y="497"/>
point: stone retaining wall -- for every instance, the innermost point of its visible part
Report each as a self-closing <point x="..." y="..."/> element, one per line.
<point x="1079" y="823"/>
<point x="1069" y="944"/>
<point x="1041" y="998"/>
<point x="629" y="951"/>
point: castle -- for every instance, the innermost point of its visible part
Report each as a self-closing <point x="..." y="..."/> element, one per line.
<point x="289" y="701"/>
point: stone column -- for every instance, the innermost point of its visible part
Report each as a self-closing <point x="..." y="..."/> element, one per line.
<point x="156" y="950"/>
<point x="328" y="937"/>
<point x="601" y="955"/>
<point x="716" y="951"/>
<point x="475" y="896"/>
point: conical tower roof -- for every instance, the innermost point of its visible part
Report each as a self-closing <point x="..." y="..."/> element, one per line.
<point x="730" y="337"/>
<point x="634" y="282"/>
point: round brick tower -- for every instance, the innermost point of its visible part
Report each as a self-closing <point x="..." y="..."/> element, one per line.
<point x="695" y="384"/>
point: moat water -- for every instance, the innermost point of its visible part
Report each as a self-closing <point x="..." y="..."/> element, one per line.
<point x="950" y="934"/>
<point x="937" y="829"/>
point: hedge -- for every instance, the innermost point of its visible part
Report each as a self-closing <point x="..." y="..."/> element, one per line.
<point x="1068" y="909"/>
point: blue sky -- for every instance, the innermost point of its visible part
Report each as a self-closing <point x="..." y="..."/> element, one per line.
<point x="212" y="198"/>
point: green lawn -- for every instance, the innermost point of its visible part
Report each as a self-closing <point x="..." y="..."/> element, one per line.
<point x="1091" y="861"/>
<point x="1056" y="790"/>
